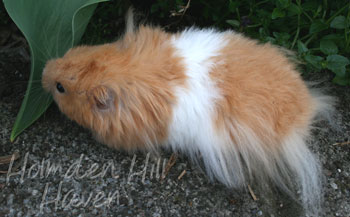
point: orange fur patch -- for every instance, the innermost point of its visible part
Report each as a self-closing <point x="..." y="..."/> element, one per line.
<point x="261" y="89"/>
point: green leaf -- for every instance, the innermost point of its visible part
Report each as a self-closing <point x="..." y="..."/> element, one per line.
<point x="293" y="9"/>
<point x="234" y="23"/>
<point x="232" y="6"/>
<point x="318" y="26"/>
<point x="302" y="47"/>
<point x="333" y="37"/>
<point x="154" y="8"/>
<point x="315" y="61"/>
<point x="282" y="38"/>
<point x="318" y="11"/>
<point x="342" y="80"/>
<point x="283" y="3"/>
<point x="337" y="64"/>
<point x="338" y="60"/>
<point x="328" y="47"/>
<point x="340" y="71"/>
<point x="51" y="27"/>
<point x="277" y="13"/>
<point x="339" y="22"/>
<point x="270" y="39"/>
<point x="310" y="5"/>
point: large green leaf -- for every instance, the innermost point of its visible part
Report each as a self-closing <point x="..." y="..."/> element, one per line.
<point x="51" y="27"/>
<point x="318" y="26"/>
<point x="328" y="47"/>
<point x="277" y="12"/>
<point x="315" y="61"/>
<point x="339" y="22"/>
<point x="337" y="64"/>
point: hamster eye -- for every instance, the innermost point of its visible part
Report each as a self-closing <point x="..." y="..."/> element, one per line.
<point x="59" y="87"/>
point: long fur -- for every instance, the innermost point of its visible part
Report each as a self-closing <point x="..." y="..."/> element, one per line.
<point x="240" y="107"/>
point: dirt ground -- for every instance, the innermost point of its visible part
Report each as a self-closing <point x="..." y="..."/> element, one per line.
<point x="60" y="170"/>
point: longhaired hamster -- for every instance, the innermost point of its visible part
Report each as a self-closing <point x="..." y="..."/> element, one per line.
<point x="239" y="106"/>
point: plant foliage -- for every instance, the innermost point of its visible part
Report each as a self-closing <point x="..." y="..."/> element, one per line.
<point x="51" y="27"/>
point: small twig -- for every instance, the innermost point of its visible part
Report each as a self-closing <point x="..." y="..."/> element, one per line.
<point x="7" y="159"/>
<point x="342" y="143"/>
<point x="169" y="165"/>
<point x="181" y="175"/>
<point x="186" y="7"/>
<point x="252" y="193"/>
<point x="182" y="11"/>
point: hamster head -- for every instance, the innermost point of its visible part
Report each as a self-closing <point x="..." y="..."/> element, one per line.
<point x="122" y="91"/>
<point x="77" y="85"/>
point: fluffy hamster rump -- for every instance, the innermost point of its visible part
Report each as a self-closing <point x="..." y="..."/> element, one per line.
<point x="239" y="106"/>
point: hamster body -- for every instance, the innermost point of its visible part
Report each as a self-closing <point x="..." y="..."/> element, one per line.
<point x="239" y="106"/>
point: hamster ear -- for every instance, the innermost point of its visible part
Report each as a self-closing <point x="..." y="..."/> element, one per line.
<point x="102" y="97"/>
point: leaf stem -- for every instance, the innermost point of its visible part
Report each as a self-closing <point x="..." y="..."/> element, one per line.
<point x="310" y="39"/>
<point x="255" y="25"/>
<point x="262" y="2"/>
<point x="297" y="33"/>
<point x="325" y="4"/>
<point x="238" y="15"/>
<point x="307" y="16"/>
